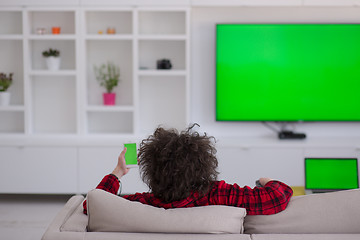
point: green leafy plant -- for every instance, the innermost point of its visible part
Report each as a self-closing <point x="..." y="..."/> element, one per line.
<point x="5" y="81"/>
<point x="51" y="53"/>
<point x="108" y="75"/>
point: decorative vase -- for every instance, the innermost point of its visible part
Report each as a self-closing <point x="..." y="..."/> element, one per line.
<point x="53" y="63"/>
<point x="109" y="98"/>
<point x="4" y="98"/>
<point x="56" y="30"/>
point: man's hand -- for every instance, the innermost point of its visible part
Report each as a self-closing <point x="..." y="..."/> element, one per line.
<point x="264" y="181"/>
<point x="121" y="169"/>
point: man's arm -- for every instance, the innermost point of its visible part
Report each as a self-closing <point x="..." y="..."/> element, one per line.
<point x="111" y="183"/>
<point x="270" y="199"/>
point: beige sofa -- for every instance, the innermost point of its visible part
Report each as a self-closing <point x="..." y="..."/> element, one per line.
<point x="318" y="216"/>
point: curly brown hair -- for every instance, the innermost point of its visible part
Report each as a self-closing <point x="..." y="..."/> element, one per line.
<point x="175" y="164"/>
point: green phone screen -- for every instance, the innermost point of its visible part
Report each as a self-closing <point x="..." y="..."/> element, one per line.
<point x="131" y="154"/>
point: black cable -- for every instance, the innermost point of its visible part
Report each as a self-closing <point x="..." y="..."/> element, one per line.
<point x="270" y="127"/>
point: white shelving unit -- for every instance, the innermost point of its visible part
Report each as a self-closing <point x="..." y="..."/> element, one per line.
<point x="69" y="101"/>
<point x="61" y="112"/>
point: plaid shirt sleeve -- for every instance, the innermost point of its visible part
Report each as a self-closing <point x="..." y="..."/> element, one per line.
<point x="270" y="199"/>
<point x="109" y="183"/>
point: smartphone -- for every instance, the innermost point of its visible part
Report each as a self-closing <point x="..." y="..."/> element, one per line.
<point x="131" y="155"/>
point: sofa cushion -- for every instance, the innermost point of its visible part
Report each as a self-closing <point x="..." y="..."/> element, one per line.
<point x="110" y="213"/>
<point x="76" y="222"/>
<point x="305" y="236"/>
<point x="326" y="213"/>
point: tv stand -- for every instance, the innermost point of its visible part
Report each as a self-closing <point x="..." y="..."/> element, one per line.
<point x="291" y="135"/>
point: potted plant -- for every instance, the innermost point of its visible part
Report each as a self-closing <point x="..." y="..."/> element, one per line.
<point x="5" y="83"/>
<point x="108" y="76"/>
<point x="52" y="57"/>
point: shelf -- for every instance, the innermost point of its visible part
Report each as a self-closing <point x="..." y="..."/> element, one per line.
<point x="110" y="123"/>
<point x="46" y="19"/>
<point x="110" y="108"/>
<point x="52" y="73"/>
<point x="109" y="37"/>
<point x="12" y="108"/>
<point x="53" y="37"/>
<point x="150" y="51"/>
<point x="158" y="72"/>
<point x="11" y="37"/>
<point x="119" y="20"/>
<point x="162" y="37"/>
<point x="67" y="53"/>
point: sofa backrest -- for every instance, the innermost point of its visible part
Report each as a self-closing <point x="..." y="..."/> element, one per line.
<point x="110" y="213"/>
<point x="335" y="212"/>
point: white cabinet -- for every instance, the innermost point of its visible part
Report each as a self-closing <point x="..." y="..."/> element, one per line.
<point x="243" y="161"/>
<point x="232" y="3"/>
<point x="38" y="170"/>
<point x="331" y="2"/>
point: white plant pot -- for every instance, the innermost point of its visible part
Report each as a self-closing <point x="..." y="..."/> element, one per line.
<point x="53" y="63"/>
<point x="4" y="98"/>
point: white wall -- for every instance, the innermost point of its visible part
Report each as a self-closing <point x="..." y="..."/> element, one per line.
<point x="203" y="64"/>
<point x="249" y="150"/>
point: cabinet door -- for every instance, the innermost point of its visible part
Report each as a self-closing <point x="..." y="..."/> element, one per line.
<point x="96" y="162"/>
<point x="38" y="170"/>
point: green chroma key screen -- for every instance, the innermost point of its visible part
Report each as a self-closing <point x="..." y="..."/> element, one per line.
<point x="131" y="154"/>
<point x="288" y="72"/>
<point x="331" y="173"/>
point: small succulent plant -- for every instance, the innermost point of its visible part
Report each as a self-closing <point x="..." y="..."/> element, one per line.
<point x="5" y="81"/>
<point x="51" y="53"/>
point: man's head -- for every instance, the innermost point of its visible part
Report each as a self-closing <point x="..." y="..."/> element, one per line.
<point x="175" y="164"/>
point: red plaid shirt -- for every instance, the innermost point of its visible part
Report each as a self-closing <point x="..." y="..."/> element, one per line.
<point x="270" y="199"/>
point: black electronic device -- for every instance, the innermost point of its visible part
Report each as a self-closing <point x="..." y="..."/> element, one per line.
<point x="258" y="184"/>
<point x="164" y="64"/>
<point x="331" y="174"/>
<point x="291" y="135"/>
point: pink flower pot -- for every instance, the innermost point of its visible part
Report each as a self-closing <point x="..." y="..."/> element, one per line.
<point x="109" y="98"/>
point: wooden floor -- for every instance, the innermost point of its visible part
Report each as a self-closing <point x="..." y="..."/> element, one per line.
<point x="26" y="217"/>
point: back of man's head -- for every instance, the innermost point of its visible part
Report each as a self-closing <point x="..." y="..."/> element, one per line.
<point x="176" y="164"/>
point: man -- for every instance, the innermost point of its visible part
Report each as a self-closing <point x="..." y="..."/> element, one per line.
<point x="180" y="170"/>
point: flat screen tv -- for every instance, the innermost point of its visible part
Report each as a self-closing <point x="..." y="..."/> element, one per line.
<point x="288" y="72"/>
<point x="328" y="174"/>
